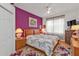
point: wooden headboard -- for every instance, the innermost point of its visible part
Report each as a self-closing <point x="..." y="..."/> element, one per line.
<point x="28" y="32"/>
<point x="31" y="32"/>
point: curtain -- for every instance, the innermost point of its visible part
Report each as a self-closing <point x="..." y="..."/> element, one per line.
<point x="55" y="25"/>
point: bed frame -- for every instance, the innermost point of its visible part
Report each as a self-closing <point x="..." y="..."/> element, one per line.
<point x="28" y="32"/>
<point x="33" y="32"/>
<point x="37" y="49"/>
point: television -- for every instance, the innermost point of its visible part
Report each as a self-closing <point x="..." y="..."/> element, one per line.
<point x="69" y="23"/>
<point x="72" y="22"/>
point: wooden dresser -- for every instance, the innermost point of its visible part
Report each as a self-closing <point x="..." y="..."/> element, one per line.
<point x="20" y="43"/>
<point x="68" y="35"/>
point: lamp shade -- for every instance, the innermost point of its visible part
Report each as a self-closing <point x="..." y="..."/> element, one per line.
<point x="19" y="30"/>
<point x="75" y="27"/>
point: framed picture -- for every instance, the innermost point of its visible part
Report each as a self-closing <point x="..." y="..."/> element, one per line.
<point x="32" y="22"/>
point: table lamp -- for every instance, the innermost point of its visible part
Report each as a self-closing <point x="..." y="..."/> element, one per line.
<point x="19" y="32"/>
<point x="43" y="29"/>
<point x="76" y="31"/>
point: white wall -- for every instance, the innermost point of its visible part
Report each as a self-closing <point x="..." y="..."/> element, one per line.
<point x="7" y="29"/>
<point x="71" y="15"/>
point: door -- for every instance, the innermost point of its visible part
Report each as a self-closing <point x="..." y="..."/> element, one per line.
<point x="7" y="28"/>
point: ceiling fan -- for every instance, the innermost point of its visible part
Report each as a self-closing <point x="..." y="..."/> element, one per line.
<point x="48" y="10"/>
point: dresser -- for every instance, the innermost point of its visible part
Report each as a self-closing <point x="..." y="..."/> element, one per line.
<point x="68" y="35"/>
<point x="20" y="43"/>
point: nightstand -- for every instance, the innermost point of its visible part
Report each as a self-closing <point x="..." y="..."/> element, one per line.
<point x="75" y="47"/>
<point x="20" y="43"/>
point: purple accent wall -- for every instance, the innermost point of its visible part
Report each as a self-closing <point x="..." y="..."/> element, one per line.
<point x="22" y="19"/>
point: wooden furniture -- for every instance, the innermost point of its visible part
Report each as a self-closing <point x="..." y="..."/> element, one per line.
<point x="28" y="32"/>
<point x="62" y="42"/>
<point x="72" y="41"/>
<point x="75" y="47"/>
<point x="31" y="32"/>
<point x="68" y="35"/>
<point x="20" y="43"/>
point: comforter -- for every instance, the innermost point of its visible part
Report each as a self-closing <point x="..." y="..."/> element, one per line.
<point x="43" y="42"/>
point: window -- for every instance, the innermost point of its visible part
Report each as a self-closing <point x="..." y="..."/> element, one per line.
<point x="55" y="25"/>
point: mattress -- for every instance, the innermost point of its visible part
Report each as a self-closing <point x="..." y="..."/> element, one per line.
<point x="43" y="42"/>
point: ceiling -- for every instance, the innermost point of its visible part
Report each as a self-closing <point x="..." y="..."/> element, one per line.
<point x="40" y="9"/>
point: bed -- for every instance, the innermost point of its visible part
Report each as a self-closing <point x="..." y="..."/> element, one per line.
<point x="43" y="42"/>
<point x="28" y="50"/>
<point x="40" y="41"/>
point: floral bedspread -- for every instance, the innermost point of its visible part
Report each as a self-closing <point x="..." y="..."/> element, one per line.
<point x="27" y="51"/>
<point x="43" y="42"/>
<point x="62" y="51"/>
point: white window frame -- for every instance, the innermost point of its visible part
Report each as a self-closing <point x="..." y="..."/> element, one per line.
<point x="53" y="23"/>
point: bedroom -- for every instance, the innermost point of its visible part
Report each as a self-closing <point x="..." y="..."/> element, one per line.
<point x="44" y="29"/>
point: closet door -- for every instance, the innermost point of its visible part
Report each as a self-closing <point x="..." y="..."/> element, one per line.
<point x="7" y="28"/>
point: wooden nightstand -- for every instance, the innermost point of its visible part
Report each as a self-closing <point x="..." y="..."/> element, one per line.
<point x="20" y="43"/>
<point x="75" y="47"/>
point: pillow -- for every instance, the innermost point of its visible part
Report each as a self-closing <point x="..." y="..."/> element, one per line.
<point x="37" y="31"/>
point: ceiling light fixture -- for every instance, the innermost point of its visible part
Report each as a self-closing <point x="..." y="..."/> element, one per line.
<point x="49" y="9"/>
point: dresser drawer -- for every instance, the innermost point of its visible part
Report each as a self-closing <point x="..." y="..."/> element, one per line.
<point x="20" y="43"/>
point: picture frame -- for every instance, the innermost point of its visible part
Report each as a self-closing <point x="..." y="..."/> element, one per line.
<point x="32" y="22"/>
